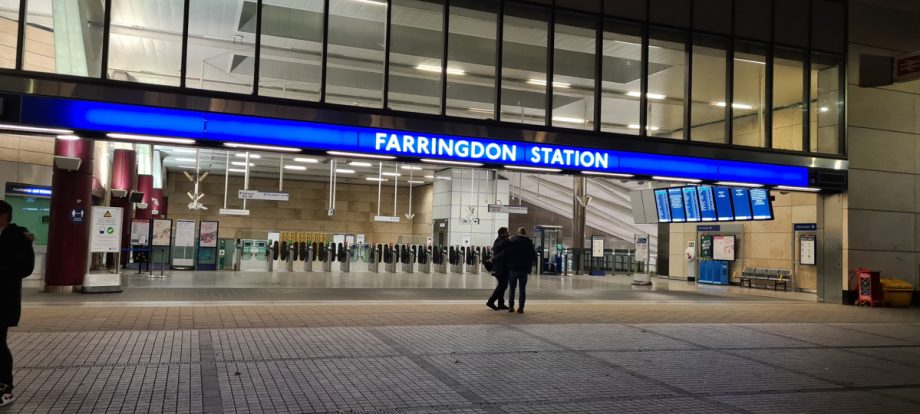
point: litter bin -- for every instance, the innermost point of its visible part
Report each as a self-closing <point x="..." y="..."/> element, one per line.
<point x="896" y="292"/>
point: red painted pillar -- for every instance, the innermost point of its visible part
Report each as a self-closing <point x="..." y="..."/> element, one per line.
<point x="71" y="204"/>
<point x="157" y="206"/>
<point x="145" y="185"/>
<point x="124" y="177"/>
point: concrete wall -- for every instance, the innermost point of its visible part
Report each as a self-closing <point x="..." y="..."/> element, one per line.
<point x="451" y="198"/>
<point x="306" y="211"/>
<point x="881" y="210"/>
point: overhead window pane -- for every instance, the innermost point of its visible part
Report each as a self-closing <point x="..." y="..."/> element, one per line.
<point x="788" y="98"/>
<point x="471" y="48"/>
<point x="826" y="103"/>
<point x="64" y="37"/>
<point x="573" y="71"/>
<point x="525" y="36"/>
<point x="221" y="50"/>
<point x="748" y="95"/>
<point x="791" y="24"/>
<point x="145" y="41"/>
<point x="416" y="49"/>
<point x="753" y="19"/>
<point x="291" y="55"/>
<point x="709" y="79"/>
<point x="357" y="35"/>
<point x="621" y="81"/>
<point x="666" y="82"/>
<point x="828" y="25"/>
<point x="9" y="32"/>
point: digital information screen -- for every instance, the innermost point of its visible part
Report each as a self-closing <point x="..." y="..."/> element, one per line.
<point x="741" y="201"/>
<point x="691" y="203"/>
<point x="707" y="204"/>
<point x="723" y="196"/>
<point x="663" y="205"/>
<point x="761" y="208"/>
<point x="678" y="214"/>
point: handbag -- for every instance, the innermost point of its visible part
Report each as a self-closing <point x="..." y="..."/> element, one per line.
<point x="488" y="265"/>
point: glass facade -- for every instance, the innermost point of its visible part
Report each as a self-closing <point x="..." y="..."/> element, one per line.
<point x="739" y="73"/>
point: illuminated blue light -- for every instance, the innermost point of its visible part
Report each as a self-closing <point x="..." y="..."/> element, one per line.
<point x="110" y="117"/>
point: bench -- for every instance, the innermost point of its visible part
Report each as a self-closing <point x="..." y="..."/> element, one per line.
<point x="764" y="277"/>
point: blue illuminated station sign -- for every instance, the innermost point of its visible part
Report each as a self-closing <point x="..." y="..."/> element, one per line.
<point x="102" y="118"/>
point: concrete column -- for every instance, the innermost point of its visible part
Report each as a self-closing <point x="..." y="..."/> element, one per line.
<point x="71" y="204"/>
<point x="124" y="177"/>
<point x="579" y="208"/>
<point x="832" y="276"/>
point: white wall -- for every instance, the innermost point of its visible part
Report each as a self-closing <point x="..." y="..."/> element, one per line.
<point x="452" y="197"/>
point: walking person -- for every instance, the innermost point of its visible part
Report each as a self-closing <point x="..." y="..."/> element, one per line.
<point x="520" y="254"/>
<point x="499" y="269"/>
<point x="17" y="260"/>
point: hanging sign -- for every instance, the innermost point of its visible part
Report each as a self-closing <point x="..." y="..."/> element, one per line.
<point x="500" y="208"/>
<point x="387" y="219"/>
<point x="106" y="230"/>
<point x="263" y="195"/>
<point x="233" y="212"/>
<point x="28" y="190"/>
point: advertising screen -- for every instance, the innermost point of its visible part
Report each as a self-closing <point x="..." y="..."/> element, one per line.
<point x="723" y="248"/>
<point x="741" y="201"/>
<point x="707" y="204"/>
<point x="760" y="204"/>
<point x="691" y="203"/>
<point x="678" y="213"/>
<point x="663" y="205"/>
<point x="723" y="196"/>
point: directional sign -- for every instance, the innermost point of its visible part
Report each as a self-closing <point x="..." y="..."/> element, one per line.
<point x="262" y="195"/>
<point x="907" y="67"/>
<point x="233" y="212"/>
<point x="387" y="219"/>
<point x="499" y="208"/>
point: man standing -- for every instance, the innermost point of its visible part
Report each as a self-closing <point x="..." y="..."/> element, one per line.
<point x="17" y="260"/>
<point x="520" y="254"/>
<point x="499" y="269"/>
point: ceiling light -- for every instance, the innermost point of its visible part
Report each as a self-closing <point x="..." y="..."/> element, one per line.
<point x="447" y="162"/>
<point x="607" y="174"/>
<point x="24" y="128"/>
<point x="359" y="164"/>
<point x="186" y="166"/>
<point x="435" y="68"/>
<point x="569" y="120"/>
<point x="146" y="138"/>
<point x="295" y="167"/>
<point x="391" y="174"/>
<point x="750" y="61"/>
<point x="236" y="170"/>
<point x="242" y="163"/>
<point x="375" y="179"/>
<point x="261" y="147"/>
<point x="637" y="94"/>
<point x="306" y="160"/>
<point x="68" y="137"/>
<point x="734" y="184"/>
<point x="344" y="171"/>
<point x="251" y="156"/>
<point x="542" y="82"/>
<point x="481" y="110"/>
<point x="185" y="159"/>
<point x="676" y="179"/>
<point x="521" y="167"/>
<point x="360" y="155"/>
<point x="439" y="177"/>
<point x="374" y="2"/>
<point x="793" y="188"/>
<point x="824" y="109"/>
<point x="734" y="105"/>
<point x="634" y="126"/>
<point x="430" y="177"/>
<point x="411" y="167"/>
<point x="415" y="182"/>
<point x="183" y="150"/>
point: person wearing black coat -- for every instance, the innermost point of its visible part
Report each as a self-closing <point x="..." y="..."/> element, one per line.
<point x="520" y="253"/>
<point x="499" y="270"/>
<point x="17" y="260"/>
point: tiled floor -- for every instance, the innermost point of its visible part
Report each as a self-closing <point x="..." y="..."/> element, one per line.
<point x="760" y="355"/>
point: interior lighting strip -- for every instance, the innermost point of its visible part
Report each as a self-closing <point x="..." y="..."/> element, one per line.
<point x="449" y="162"/>
<point x="607" y="174"/>
<point x="360" y="155"/>
<point x="677" y="179"/>
<point x="261" y="147"/>
<point x="148" y="138"/>
<point x="538" y="169"/>
<point x="26" y="128"/>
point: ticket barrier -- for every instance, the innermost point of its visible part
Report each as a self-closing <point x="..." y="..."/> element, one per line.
<point x="307" y="257"/>
<point x="424" y="259"/>
<point x="408" y="257"/>
<point x="374" y="258"/>
<point x="291" y="253"/>
<point x="473" y="258"/>
<point x="439" y="258"/>
<point x="328" y="254"/>
<point x="455" y="258"/>
<point x="344" y="257"/>
<point x="390" y="258"/>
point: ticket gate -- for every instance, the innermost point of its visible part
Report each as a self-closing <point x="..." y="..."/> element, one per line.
<point x="424" y="259"/>
<point x="328" y="254"/>
<point x="407" y="258"/>
<point x="307" y="256"/>
<point x="344" y="257"/>
<point x="455" y="258"/>
<point x="255" y="255"/>
<point x="441" y="259"/>
<point x="390" y="258"/>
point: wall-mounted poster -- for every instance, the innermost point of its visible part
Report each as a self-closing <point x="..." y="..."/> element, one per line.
<point x="207" y="235"/>
<point x="106" y="230"/>
<point x="162" y="232"/>
<point x="807" y="250"/>
<point x="185" y="233"/>
<point x="723" y="248"/>
<point x="140" y="232"/>
<point x="706" y="247"/>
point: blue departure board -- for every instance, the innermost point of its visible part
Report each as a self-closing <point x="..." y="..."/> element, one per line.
<point x="676" y="198"/>
<point x="691" y="203"/>
<point x="663" y="205"/>
<point x="707" y="204"/>
<point x="761" y="207"/>
<point x="741" y="201"/>
<point x="723" y="196"/>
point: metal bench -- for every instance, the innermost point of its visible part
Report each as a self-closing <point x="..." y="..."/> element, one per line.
<point x="764" y="277"/>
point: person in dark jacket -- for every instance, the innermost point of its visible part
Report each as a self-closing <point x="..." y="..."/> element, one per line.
<point x="17" y="260"/>
<point x="520" y="254"/>
<point x="499" y="270"/>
